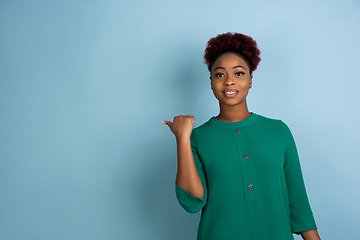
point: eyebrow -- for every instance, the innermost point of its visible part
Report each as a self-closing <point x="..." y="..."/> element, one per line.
<point x="233" y="67"/>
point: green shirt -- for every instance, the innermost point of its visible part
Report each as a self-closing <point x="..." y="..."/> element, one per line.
<point x="252" y="178"/>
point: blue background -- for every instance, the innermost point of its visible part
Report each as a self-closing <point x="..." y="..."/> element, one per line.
<point x="84" y="86"/>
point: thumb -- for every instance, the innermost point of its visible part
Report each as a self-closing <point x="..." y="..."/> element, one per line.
<point x="167" y="123"/>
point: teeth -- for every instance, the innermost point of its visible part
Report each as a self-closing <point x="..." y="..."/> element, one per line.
<point x="230" y="92"/>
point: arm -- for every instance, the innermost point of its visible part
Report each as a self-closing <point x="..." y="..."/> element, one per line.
<point x="187" y="176"/>
<point x="310" y="235"/>
<point x="301" y="216"/>
<point x="190" y="184"/>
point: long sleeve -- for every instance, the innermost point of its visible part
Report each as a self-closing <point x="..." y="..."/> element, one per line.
<point x="301" y="216"/>
<point x="189" y="202"/>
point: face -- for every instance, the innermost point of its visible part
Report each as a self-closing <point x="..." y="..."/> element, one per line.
<point x="230" y="71"/>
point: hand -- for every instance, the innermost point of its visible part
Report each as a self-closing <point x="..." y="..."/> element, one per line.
<point x="181" y="126"/>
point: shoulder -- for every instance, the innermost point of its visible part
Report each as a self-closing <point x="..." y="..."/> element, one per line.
<point x="260" y="119"/>
<point x="261" y="122"/>
<point x="203" y="127"/>
<point x="206" y="131"/>
<point x="268" y="120"/>
<point x="275" y="123"/>
<point x="271" y="123"/>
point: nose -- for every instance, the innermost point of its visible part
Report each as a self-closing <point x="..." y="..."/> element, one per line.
<point x="229" y="80"/>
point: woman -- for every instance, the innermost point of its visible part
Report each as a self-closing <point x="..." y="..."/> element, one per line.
<point x="240" y="168"/>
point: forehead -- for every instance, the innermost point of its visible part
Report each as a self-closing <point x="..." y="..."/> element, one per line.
<point x="230" y="59"/>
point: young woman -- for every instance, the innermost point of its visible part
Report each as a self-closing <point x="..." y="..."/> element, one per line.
<point x="240" y="168"/>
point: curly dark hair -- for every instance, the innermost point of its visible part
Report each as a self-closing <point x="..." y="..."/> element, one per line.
<point x="238" y="43"/>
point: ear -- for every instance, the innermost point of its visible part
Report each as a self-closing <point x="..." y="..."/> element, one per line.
<point x="250" y="82"/>
<point x="211" y="82"/>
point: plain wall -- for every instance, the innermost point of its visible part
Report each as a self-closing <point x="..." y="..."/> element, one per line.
<point x="84" y="86"/>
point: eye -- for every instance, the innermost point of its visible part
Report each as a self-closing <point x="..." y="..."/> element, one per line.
<point x="219" y="75"/>
<point x="239" y="74"/>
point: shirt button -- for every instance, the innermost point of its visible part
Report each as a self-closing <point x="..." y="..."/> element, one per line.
<point x="238" y="130"/>
<point x="250" y="186"/>
<point x="245" y="156"/>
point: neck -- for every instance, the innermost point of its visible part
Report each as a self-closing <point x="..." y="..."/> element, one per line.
<point x="233" y="113"/>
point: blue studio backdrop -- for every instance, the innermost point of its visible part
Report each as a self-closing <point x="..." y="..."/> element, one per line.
<point x="84" y="86"/>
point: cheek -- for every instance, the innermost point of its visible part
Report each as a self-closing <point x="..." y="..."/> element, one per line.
<point x="216" y="87"/>
<point x="245" y="83"/>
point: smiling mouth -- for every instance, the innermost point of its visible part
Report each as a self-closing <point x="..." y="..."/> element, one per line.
<point x="230" y="94"/>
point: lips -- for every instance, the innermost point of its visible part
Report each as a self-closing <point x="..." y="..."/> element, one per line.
<point x="234" y="92"/>
<point x="230" y="90"/>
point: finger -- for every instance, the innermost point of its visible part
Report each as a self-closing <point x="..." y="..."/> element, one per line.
<point x="167" y="123"/>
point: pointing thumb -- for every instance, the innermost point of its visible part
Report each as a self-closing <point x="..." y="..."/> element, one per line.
<point x="167" y="123"/>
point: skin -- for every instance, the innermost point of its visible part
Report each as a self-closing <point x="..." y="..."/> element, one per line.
<point x="223" y="76"/>
<point x="187" y="176"/>
<point x="231" y="110"/>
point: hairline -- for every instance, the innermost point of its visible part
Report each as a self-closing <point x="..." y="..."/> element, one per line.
<point x="232" y="51"/>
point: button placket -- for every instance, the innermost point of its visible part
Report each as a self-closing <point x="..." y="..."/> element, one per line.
<point x="247" y="167"/>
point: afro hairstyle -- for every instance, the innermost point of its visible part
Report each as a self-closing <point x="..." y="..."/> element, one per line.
<point x="238" y="43"/>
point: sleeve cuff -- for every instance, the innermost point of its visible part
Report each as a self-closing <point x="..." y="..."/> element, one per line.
<point x="302" y="224"/>
<point x="189" y="202"/>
